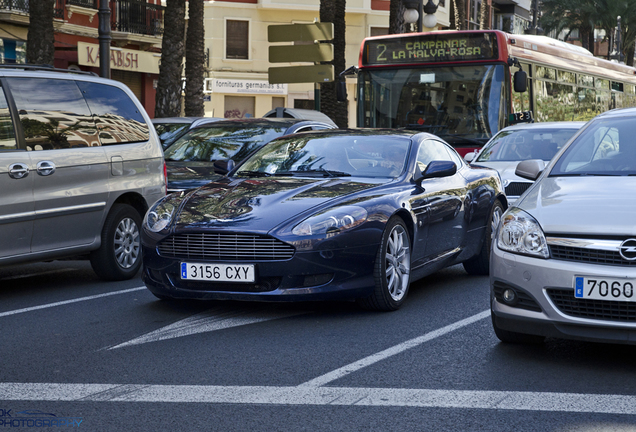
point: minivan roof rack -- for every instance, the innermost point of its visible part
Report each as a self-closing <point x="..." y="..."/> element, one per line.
<point x="43" y="67"/>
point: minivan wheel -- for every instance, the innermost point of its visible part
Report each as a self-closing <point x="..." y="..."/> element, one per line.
<point x="119" y="256"/>
<point x="392" y="269"/>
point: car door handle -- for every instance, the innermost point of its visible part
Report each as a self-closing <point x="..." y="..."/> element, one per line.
<point x="18" y="170"/>
<point x="45" y="168"/>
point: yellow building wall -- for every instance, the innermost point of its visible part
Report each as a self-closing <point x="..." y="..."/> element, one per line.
<point x="359" y="20"/>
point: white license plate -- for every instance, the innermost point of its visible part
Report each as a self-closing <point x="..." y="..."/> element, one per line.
<point x="218" y="272"/>
<point x="604" y="288"/>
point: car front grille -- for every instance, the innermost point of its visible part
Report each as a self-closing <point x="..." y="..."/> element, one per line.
<point x="517" y="188"/>
<point x="590" y="256"/>
<point x="225" y="246"/>
<point x="604" y="310"/>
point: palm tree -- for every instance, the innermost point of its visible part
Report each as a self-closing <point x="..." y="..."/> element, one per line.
<point x="168" y="97"/>
<point x="568" y="15"/>
<point x="333" y="11"/>
<point x="195" y="57"/>
<point x="40" y="47"/>
<point x="396" y="17"/>
<point x="459" y="15"/>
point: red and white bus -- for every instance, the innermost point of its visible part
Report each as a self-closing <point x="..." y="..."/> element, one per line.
<point x="460" y="85"/>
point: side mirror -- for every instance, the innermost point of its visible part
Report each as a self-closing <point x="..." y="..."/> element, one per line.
<point x="468" y="157"/>
<point x="520" y="81"/>
<point x="436" y="169"/>
<point x="223" y="166"/>
<point x="341" y="91"/>
<point x="530" y="169"/>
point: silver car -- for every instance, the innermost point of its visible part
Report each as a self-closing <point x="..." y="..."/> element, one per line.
<point x="80" y="164"/>
<point x="521" y="142"/>
<point x="563" y="261"/>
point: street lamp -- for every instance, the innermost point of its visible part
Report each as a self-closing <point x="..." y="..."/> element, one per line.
<point x="430" y="20"/>
<point x="424" y="15"/>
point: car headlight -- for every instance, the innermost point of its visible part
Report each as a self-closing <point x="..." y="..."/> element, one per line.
<point x="520" y="233"/>
<point x="332" y="222"/>
<point x="160" y="215"/>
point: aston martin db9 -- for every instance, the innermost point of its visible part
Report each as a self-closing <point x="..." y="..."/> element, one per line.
<point x="335" y="214"/>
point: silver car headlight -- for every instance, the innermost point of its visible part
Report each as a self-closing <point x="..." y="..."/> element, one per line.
<point x="520" y="233"/>
<point x="160" y="215"/>
<point x="332" y="222"/>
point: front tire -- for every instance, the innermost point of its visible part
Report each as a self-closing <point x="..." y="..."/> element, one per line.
<point x="392" y="269"/>
<point x="480" y="264"/>
<point x="119" y="256"/>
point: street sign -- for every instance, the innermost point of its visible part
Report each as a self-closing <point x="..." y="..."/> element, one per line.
<point x="301" y="74"/>
<point x="300" y="32"/>
<point x="301" y="53"/>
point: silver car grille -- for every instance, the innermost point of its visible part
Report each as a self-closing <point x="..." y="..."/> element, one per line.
<point x="589" y="251"/>
<point x="225" y="247"/>
<point x="605" y="310"/>
<point x="517" y="188"/>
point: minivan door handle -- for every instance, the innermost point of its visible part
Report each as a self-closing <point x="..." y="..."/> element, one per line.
<point x="45" y="168"/>
<point x="18" y="170"/>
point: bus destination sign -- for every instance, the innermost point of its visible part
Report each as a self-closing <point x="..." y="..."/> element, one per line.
<point x="430" y="48"/>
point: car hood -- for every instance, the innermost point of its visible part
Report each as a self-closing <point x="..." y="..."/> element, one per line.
<point x="583" y="205"/>
<point x="258" y="204"/>
<point x="189" y="175"/>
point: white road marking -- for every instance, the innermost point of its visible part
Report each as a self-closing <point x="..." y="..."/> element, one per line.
<point x="65" y="302"/>
<point x="208" y="321"/>
<point x="397" y="349"/>
<point x="343" y="396"/>
<point x="37" y="274"/>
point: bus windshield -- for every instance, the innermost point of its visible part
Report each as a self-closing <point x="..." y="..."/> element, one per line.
<point x="461" y="104"/>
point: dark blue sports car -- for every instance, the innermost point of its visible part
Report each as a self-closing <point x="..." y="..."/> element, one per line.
<point x="337" y="214"/>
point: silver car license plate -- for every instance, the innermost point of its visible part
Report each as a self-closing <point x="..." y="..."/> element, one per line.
<point x="218" y="272"/>
<point x="604" y="288"/>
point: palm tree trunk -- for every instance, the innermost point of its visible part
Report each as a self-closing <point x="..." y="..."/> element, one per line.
<point x="168" y="97"/>
<point x="334" y="11"/>
<point x="460" y="14"/>
<point x="40" y="47"/>
<point x="396" y="17"/>
<point x="195" y="57"/>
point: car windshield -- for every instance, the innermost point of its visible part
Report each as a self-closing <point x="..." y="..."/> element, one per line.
<point x="168" y="132"/>
<point x="521" y="144"/>
<point x="208" y="144"/>
<point x="329" y="156"/>
<point x="607" y="147"/>
<point x="453" y="102"/>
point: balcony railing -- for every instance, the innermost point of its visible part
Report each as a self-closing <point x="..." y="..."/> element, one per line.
<point x="136" y="16"/>
<point x="129" y="16"/>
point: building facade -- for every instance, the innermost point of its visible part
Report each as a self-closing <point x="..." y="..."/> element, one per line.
<point x="136" y="29"/>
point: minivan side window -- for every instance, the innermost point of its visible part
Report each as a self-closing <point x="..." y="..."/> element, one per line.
<point x="7" y="133"/>
<point x="117" y="117"/>
<point x="53" y="113"/>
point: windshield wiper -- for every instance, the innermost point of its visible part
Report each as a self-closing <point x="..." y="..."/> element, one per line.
<point x="255" y="173"/>
<point x="320" y="171"/>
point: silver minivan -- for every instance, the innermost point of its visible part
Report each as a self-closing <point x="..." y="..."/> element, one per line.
<point x="80" y="163"/>
<point x="563" y="261"/>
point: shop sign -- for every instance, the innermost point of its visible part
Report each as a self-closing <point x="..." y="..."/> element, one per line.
<point x="120" y="59"/>
<point x="217" y="85"/>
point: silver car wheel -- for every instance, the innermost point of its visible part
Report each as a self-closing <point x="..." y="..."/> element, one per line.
<point x="398" y="263"/>
<point x="127" y="243"/>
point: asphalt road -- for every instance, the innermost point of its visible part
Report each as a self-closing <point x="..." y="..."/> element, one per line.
<point x="79" y="352"/>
